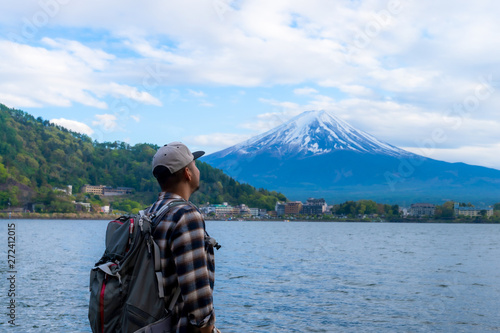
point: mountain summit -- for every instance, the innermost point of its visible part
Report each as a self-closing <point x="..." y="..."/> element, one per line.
<point x="316" y="154"/>
<point x="314" y="133"/>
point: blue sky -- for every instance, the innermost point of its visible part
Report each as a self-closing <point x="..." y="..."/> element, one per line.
<point x="421" y="75"/>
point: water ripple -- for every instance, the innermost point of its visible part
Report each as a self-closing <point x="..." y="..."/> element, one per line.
<point x="288" y="277"/>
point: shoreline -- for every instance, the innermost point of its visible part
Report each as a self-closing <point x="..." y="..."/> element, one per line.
<point x="56" y="216"/>
<point x="110" y="217"/>
<point x="349" y="220"/>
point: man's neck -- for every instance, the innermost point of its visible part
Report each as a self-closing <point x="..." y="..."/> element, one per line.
<point x="181" y="191"/>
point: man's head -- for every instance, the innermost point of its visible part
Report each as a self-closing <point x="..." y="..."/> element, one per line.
<point x="173" y="165"/>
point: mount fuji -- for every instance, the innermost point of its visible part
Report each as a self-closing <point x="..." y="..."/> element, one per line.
<point x="317" y="155"/>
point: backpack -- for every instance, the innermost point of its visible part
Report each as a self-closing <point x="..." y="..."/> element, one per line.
<point x="126" y="288"/>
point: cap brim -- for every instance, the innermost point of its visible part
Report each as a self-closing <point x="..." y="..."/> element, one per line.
<point x="198" y="154"/>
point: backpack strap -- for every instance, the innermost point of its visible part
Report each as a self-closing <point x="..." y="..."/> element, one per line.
<point x="155" y="219"/>
<point x="159" y="276"/>
<point x="157" y="216"/>
<point x="176" y="295"/>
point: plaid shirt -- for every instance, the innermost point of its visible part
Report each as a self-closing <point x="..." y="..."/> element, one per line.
<point x="187" y="260"/>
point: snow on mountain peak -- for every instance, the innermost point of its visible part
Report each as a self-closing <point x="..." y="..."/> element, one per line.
<point x="315" y="133"/>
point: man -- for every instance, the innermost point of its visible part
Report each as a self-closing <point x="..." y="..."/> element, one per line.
<point x="187" y="253"/>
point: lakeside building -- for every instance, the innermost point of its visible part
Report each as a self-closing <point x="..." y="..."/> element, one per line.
<point x="279" y="208"/>
<point x="293" y="208"/>
<point x="288" y="208"/>
<point x="404" y="211"/>
<point x="29" y="208"/>
<point x="244" y="210"/>
<point x="311" y="207"/>
<point x="258" y="212"/>
<point x="225" y="211"/>
<point x="472" y="211"/>
<point x="83" y="207"/>
<point x="254" y="212"/>
<point x="219" y="210"/>
<point x="68" y="190"/>
<point x="92" y="189"/>
<point x="422" y="209"/>
<point x="109" y="191"/>
<point x="314" y="207"/>
<point x="106" y="190"/>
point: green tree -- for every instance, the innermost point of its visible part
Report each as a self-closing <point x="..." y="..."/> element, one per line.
<point x="445" y="211"/>
<point x="3" y="174"/>
<point x="42" y="156"/>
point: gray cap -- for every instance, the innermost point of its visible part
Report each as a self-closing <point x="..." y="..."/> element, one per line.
<point x="175" y="156"/>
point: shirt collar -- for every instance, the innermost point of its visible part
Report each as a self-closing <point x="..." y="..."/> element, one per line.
<point x="168" y="195"/>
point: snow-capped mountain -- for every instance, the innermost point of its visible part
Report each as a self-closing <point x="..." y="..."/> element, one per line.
<point x="314" y="133"/>
<point x="318" y="155"/>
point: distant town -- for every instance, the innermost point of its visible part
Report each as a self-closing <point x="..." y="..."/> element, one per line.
<point x="315" y="209"/>
<point x="318" y="209"/>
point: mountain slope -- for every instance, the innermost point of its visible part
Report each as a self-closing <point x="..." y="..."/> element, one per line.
<point x="36" y="156"/>
<point x="316" y="154"/>
<point x="313" y="133"/>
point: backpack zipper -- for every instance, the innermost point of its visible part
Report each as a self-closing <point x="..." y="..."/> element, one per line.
<point x="101" y="302"/>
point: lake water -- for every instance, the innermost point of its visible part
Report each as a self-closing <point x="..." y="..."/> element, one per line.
<point x="284" y="277"/>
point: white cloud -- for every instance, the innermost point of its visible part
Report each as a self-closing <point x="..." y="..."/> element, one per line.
<point x="145" y="49"/>
<point x="136" y="118"/>
<point x="14" y="100"/>
<point x="400" y="69"/>
<point x="132" y="93"/>
<point x="73" y="125"/>
<point x="288" y="41"/>
<point x="257" y="42"/>
<point x="404" y="79"/>
<point x="196" y="93"/>
<point x="356" y="90"/>
<point x="266" y="121"/>
<point x="305" y="91"/>
<point x="107" y="121"/>
<point x="38" y="76"/>
<point x="93" y="58"/>
<point x="60" y="74"/>
<point x="400" y="124"/>
<point x="286" y="106"/>
<point x="218" y="140"/>
<point x="206" y="104"/>
<point x="475" y="155"/>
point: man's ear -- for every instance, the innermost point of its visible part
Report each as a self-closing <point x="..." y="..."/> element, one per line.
<point x="187" y="174"/>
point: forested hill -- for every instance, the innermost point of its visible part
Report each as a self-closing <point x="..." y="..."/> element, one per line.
<point x="37" y="156"/>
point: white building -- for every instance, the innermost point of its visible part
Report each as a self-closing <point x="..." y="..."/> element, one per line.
<point x="472" y="211"/>
<point x="422" y="209"/>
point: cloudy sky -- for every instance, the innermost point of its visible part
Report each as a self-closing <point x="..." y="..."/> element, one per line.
<point x="421" y="75"/>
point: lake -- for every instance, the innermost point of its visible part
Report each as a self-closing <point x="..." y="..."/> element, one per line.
<point x="283" y="277"/>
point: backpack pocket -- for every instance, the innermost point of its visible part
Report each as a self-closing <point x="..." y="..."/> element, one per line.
<point x="164" y="325"/>
<point x="106" y="299"/>
<point x="95" y="287"/>
<point x="137" y="318"/>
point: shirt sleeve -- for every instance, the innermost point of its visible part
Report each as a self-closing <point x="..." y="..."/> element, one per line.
<point x="190" y="256"/>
